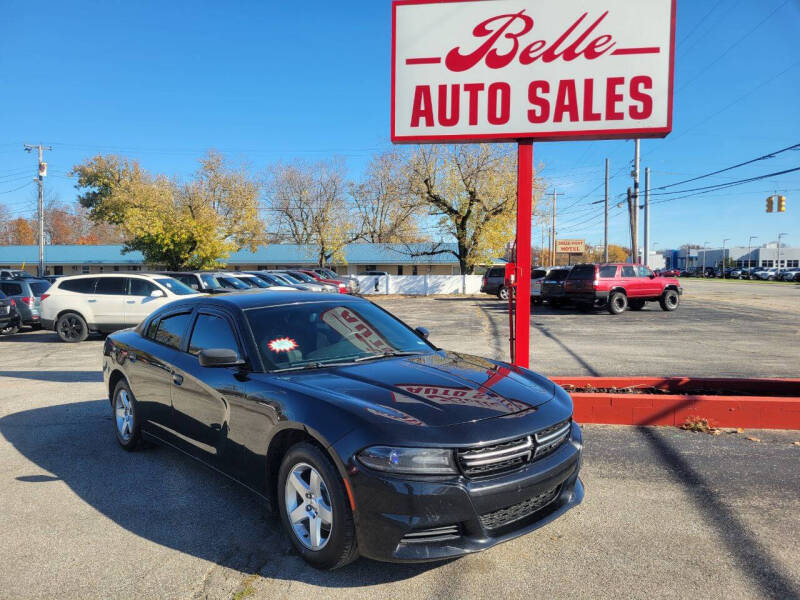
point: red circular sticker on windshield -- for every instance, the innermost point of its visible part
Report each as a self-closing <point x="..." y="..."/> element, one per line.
<point x="283" y="344"/>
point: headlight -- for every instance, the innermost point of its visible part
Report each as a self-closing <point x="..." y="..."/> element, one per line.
<point x="422" y="461"/>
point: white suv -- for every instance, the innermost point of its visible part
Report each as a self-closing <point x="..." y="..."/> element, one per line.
<point x="74" y="306"/>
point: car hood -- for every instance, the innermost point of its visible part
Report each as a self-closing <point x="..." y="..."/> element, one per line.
<point x="435" y="390"/>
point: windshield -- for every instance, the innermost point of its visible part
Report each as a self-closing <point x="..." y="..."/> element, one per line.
<point x="327" y="273"/>
<point x="317" y="333"/>
<point x="254" y="282"/>
<point x="232" y="282"/>
<point x="303" y="277"/>
<point x="175" y="286"/>
<point x="210" y="281"/>
<point x="558" y="275"/>
<point x="287" y="277"/>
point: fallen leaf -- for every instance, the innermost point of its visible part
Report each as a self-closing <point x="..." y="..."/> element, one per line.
<point x="753" y="439"/>
<point x="739" y="430"/>
<point x="715" y="432"/>
<point x="796" y="443"/>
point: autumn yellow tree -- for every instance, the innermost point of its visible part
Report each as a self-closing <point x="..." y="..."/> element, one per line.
<point x="193" y="224"/>
<point x="471" y="191"/>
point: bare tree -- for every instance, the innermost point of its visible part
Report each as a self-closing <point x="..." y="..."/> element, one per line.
<point x="472" y="191"/>
<point x="309" y="205"/>
<point x="385" y="204"/>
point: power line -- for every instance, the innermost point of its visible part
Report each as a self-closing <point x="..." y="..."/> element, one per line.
<point x="719" y="186"/>
<point x="16" y="189"/>
<point x="736" y="166"/>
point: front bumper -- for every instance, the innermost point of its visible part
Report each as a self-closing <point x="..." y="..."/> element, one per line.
<point x="390" y="507"/>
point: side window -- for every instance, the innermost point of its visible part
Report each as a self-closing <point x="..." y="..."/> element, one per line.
<point x="628" y="271"/>
<point x="110" y="286"/>
<point x="171" y="329"/>
<point x="140" y="287"/>
<point x="81" y="286"/>
<point x="644" y="271"/>
<point x="11" y="289"/>
<point x="189" y="280"/>
<point x="152" y="328"/>
<point x="212" y="332"/>
<point x="609" y="271"/>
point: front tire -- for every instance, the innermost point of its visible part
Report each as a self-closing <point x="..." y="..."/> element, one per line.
<point x="126" y="421"/>
<point x="502" y="293"/>
<point x="669" y="300"/>
<point x="617" y="303"/>
<point x="72" y="328"/>
<point x="314" y="508"/>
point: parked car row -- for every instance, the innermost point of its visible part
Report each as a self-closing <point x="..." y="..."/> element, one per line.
<point x="756" y="273"/>
<point x="614" y="286"/>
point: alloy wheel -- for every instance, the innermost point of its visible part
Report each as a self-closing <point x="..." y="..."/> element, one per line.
<point x="124" y="415"/>
<point x="70" y="327"/>
<point x="308" y="506"/>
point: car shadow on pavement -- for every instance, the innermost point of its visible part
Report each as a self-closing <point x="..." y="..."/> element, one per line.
<point x="39" y="337"/>
<point x="56" y="376"/>
<point x="753" y="558"/>
<point x="167" y="498"/>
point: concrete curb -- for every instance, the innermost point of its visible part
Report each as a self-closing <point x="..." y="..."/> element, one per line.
<point x="761" y="403"/>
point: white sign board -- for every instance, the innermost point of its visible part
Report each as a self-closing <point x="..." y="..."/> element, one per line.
<point x="571" y="246"/>
<point x="473" y="70"/>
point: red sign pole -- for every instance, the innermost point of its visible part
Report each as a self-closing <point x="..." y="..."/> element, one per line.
<point x="522" y="314"/>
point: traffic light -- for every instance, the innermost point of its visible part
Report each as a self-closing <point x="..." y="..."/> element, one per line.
<point x="781" y="203"/>
<point x="769" y="204"/>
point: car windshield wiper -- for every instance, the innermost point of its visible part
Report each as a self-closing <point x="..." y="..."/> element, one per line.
<point x="387" y="354"/>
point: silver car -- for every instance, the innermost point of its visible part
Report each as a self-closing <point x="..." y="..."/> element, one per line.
<point x="27" y="293"/>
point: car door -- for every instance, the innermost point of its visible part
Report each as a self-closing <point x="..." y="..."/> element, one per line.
<point x="202" y="396"/>
<point x="150" y="367"/>
<point x="649" y="284"/>
<point x="140" y="302"/>
<point x="108" y="303"/>
<point x="631" y="281"/>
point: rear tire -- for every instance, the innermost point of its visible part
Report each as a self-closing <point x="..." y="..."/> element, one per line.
<point x="125" y="417"/>
<point x="670" y="300"/>
<point x="10" y="330"/>
<point x="71" y="328"/>
<point x="636" y="304"/>
<point x="617" y="303"/>
<point x="502" y="293"/>
<point x="336" y="540"/>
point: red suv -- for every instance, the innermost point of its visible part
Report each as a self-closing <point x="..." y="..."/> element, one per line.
<point x="619" y="286"/>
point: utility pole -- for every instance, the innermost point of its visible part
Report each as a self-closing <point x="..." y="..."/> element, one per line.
<point x="554" y="228"/>
<point x="778" y="262"/>
<point x="631" y="218"/>
<point x="749" y="250"/>
<point x="605" y="206"/>
<point x="647" y="217"/>
<point x="704" y="259"/>
<point x="42" y="171"/>
<point x="635" y="249"/>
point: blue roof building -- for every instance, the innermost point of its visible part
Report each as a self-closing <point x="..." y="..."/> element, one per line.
<point x="396" y="259"/>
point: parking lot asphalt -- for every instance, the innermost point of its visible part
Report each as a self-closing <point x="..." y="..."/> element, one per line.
<point x="721" y="329"/>
<point x="667" y="513"/>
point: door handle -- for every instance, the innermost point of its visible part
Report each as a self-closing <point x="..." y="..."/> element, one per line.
<point x="131" y="301"/>
<point x="177" y="379"/>
<point x="92" y="299"/>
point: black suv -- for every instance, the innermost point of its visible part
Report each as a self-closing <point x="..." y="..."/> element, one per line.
<point x="553" y="286"/>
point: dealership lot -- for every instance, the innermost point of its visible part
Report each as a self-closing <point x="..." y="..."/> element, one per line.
<point x="667" y="513"/>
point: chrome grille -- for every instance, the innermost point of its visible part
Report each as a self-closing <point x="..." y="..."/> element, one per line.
<point x="434" y="534"/>
<point x="515" y="512"/>
<point x="510" y="455"/>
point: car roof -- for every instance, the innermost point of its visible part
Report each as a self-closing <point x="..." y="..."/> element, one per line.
<point x="132" y="274"/>
<point x="258" y="298"/>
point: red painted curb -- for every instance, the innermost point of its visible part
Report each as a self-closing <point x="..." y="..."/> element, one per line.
<point x="778" y="409"/>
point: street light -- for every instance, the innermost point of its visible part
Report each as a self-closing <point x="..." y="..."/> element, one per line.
<point x="778" y="262"/>
<point x="723" y="256"/>
<point x="703" y="272"/>
<point x="749" y="259"/>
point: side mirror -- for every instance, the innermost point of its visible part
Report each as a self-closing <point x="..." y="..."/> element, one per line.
<point x="219" y="357"/>
<point x="422" y="332"/>
<point x="652" y="275"/>
<point x="156" y="294"/>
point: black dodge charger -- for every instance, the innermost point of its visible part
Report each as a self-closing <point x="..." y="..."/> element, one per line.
<point x="366" y="438"/>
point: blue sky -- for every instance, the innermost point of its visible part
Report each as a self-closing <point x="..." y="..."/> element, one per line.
<point x="262" y="81"/>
